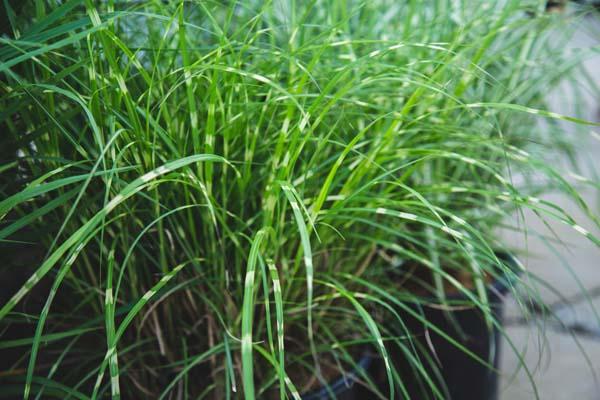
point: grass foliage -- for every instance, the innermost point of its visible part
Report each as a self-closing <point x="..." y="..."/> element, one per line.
<point x="206" y="199"/>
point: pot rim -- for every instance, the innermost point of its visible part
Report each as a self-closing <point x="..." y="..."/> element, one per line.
<point x="341" y="384"/>
<point x="499" y="286"/>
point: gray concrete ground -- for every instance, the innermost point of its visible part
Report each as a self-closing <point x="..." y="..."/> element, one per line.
<point x="561" y="352"/>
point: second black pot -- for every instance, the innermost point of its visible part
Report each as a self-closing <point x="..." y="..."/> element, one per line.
<point x="456" y="375"/>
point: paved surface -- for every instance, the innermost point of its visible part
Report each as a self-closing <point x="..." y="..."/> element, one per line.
<point x="561" y="348"/>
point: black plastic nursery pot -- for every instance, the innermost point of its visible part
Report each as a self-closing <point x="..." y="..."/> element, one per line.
<point x="345" y="387"/>
<point x="457" y="375"/>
